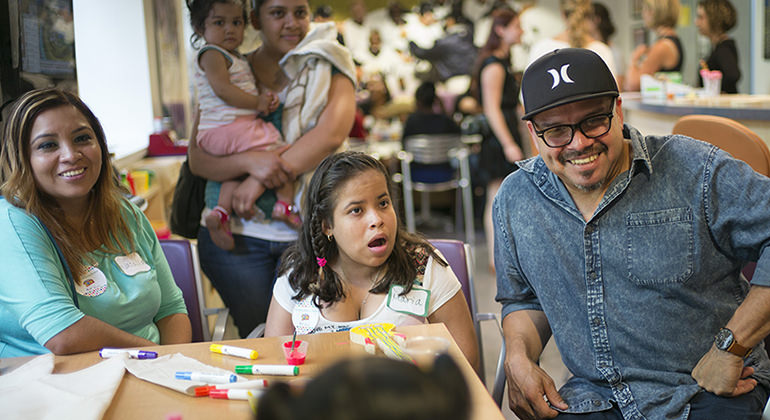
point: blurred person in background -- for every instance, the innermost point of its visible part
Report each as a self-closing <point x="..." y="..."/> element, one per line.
<point x="578" y="15"/>
<point x="665" y="54"/>
<point x="603" y="29"/>
<point x="496" y="89"/>
<point x="714" y="19"/>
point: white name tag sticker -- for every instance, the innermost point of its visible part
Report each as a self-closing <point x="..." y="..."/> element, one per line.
<point x="131" y="264"/>
<point x="92" y="283"/>
<point x="415" y="302"/>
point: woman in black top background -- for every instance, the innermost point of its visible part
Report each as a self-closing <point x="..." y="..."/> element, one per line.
<point x="714" y="19"/>
<point x="497" y="91"/>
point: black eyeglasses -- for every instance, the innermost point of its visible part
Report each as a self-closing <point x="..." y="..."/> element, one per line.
<point x="592" y="127"/>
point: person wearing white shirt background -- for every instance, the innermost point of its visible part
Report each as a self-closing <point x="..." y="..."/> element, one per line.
<point x="355" y="30"/>
<point x="396" y="67"/>
<point x="422" y="28"/>
<point x="577" y="17"/>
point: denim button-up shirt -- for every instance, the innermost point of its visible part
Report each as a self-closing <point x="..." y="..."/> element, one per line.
<point x="635" y="295"/>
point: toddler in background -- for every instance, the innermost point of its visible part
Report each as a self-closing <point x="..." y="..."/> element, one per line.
<point x="229" y="104"/>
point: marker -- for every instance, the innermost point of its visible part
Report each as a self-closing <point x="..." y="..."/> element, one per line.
<point x="211" y="378"/>
<point x="255" y="384"/>
<point x="268" y="370"/>
<point x="108" y="352"/>
<point x="234" y="394"/>
<point x="234" y="351"/>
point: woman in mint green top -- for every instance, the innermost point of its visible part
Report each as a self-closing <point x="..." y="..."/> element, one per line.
<point x="59" y="191"/>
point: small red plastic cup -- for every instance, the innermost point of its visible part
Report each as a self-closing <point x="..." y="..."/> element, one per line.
<point x="297" y="355"/>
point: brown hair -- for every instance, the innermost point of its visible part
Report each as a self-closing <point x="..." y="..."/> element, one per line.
<point x="500" y="18"/>
<point x="105" y="223"/>
<point x="720" y="14"/>
<point x="664" y="12"/>
<point x="200" y="10"/>
<point x="577" y="13"/>
<point x="301" y="258"/>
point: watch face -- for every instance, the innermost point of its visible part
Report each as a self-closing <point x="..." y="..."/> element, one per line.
<point x="723" y="339"/>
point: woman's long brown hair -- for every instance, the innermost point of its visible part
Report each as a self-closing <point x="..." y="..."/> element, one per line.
<point x="105" y="227"/>
<point x="500" y="18"/>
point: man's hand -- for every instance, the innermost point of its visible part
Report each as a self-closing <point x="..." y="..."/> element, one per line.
<point x="268" y="167"/>
<point x="528" y="388"/>
<point x="723" y="373"/>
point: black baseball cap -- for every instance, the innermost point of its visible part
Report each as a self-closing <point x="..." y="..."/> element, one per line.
<point x="564" y="76"/>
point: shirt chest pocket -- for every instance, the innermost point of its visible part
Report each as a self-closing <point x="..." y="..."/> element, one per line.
<point x="659" y="246"/>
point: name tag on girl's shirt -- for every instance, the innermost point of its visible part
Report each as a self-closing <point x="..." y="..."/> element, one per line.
<point x="131" y="264"/>
<point x="415" y="302"/>
<point x="92" y="283"/>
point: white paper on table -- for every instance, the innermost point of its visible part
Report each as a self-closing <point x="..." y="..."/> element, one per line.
<point x="33" y="392"/>
<point x="162" y="371"/>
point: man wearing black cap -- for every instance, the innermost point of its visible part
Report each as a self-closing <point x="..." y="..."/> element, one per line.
<point x="628" y="248"/>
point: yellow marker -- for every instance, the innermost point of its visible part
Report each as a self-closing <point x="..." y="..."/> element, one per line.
<point x="234" y="351"/>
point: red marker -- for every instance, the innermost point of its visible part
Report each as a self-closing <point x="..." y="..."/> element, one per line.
<point x="203" y="391"/>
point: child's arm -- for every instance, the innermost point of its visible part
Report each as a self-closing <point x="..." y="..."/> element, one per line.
<point x="457" y="318"/>
<point x="267" y="166"/>
<point x="214" y="64"/>
<point x="244" y="196"/>
<point x="278" y="320"/>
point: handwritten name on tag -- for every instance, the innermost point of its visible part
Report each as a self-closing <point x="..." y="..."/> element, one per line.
<point x="415" y="302"/>
<point x="131" y="264"/>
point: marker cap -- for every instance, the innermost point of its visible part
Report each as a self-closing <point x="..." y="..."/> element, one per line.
<point x="243" y="369"/>
<point x="203" y="391"/>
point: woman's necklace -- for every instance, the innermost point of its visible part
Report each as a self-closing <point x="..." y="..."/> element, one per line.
<point x="368" y="293"/>
<point x="363" y="303"/>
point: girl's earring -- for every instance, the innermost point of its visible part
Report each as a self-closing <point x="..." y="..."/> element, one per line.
<point x="329" y="237"/>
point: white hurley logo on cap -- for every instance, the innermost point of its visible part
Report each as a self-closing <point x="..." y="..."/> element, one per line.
<point x="564" y="76"/>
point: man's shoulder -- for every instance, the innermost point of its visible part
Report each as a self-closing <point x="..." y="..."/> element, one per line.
<point x="676" y="144"/>
<point x="525" y="178"/>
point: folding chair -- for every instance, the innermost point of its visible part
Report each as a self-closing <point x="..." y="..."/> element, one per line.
<point x="182" y="257"/>
<point x="439" y="151"/>
<point x="458" y="255"/>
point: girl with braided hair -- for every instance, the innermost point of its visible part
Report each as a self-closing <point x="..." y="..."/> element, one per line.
<point x="354" y="264"/>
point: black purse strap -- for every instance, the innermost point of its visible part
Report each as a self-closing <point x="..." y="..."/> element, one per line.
<point x="63" y="263"/>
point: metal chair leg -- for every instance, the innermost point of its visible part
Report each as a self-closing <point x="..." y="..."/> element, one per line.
<point x="465" y="184"/>
<point x="406" y="160"/>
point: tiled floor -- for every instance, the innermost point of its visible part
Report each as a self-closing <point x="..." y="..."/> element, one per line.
<point x="485" y="296"/>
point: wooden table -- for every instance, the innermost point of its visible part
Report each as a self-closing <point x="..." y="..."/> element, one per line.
<point x="136" y="398"/>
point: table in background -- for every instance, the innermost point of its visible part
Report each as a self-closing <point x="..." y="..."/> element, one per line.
<point x="138" y="399"/>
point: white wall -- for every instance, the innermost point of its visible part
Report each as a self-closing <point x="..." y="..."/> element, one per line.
<point x="113" y="70"/>
<point x="760" y="67"/>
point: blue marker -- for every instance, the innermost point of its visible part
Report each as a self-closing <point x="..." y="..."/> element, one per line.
<point x="209" y="378"/>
